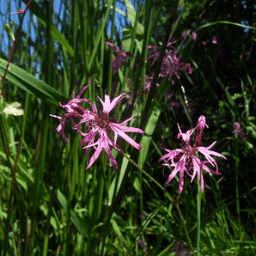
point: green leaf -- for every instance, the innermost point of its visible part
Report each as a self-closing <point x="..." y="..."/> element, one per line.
<point x="147" y="136"/>
<point x="127" y="33"/>
<point x="79" y="223"/>
<point x="117" y="229"/>
<point x="132" y="17"/>
<point x="225" y="22"/>
<point x="116" y="183"/>
<point x="29" y="83"/>
<point x="136" y="184"/>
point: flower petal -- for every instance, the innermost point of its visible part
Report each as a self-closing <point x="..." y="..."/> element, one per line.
<point x="126" y="137"/>
<point x="107" y="105"/>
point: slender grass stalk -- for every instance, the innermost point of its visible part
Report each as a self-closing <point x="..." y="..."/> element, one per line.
<point x="49" y="215"/>
<point x="110" y="73"/>
<point x="237" y="180"/>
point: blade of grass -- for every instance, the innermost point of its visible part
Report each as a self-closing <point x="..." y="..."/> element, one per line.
<point x="29" y="83"/>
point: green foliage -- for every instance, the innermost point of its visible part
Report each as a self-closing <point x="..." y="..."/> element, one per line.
<point x="51" y="205"/>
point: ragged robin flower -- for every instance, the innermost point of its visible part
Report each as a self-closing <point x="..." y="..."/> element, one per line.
<point x="171" y="63"/>
<point x="186" y="160"/>
<point x="99" y="127"/>
<point x="73" y="111"/>
<point x="120" y="57"/>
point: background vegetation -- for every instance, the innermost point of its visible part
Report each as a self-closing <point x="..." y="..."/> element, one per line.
<point x="51" y="205"/>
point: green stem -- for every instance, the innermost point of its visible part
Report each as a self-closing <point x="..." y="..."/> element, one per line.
<point x="198" y="215"/>
<point x="237" y="184"/>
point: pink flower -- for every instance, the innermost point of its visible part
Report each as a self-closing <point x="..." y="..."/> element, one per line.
<point x="205" y="42"/>
<point x="148" y="81"/>
<point x="214" y="40"/>
<point x="99" y="127"/>
<point x="74" y="111"/>
<point x="153" y="54"/>
<point x="156" y="50"/>
<point x="201" y="123"/>
<point x="185" y="159"/>
<point x="194" y="36"/>
<point x="239" y="131"/>
<point x="171" y="63"/>
<point x="237" y="126"/>
<point x="187" y="67"/>
<point x="119" y="59"/>
<point x="183" y="35"/>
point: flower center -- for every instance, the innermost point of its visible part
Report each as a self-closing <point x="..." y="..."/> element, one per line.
<point x="102" y="121"/>
<point x="189" y="151"/>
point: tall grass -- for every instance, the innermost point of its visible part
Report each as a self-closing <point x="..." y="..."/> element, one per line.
<point x="51" y="205"/>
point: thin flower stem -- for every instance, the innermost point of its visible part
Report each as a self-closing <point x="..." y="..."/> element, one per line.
<point x="237" y="185"/>
<point x="14" y="44"/>
<point x="158" y="184"/>
<point x="198" y="215"/>
<point x="168" y="196"/>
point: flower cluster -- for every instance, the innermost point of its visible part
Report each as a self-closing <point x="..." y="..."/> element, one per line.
<point x="98" y="126"/>
<point x="171" y="63"/>
<point x="193" y="35"/>
<point x="213" y="41"/>
<point x="239" y="131"/>
<point x="185" y="159"/>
